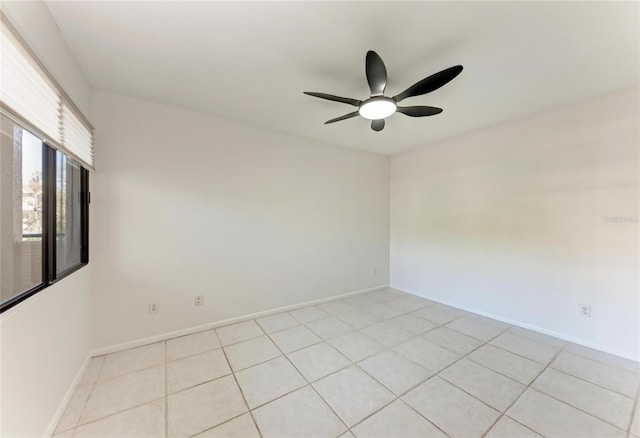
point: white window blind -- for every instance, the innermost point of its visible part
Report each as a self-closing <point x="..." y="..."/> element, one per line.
<point x="75" y="137"/>
<point x="30" y="96"/>
<point x="25" y="91"/>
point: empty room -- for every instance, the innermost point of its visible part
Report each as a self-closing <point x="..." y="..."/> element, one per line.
<point x="319" y="219"/>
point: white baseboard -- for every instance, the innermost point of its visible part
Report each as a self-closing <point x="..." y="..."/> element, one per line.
<point x="187" y="331"/>
<point x="67" y="397"/>
<point x="534" y="328"/>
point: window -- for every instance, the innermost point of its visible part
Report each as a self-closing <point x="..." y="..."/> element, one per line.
<point x="43" y="214"/>
<point x="20" y="210"/>
<point x="46" y="147"/>
<point x="68" y="214"/>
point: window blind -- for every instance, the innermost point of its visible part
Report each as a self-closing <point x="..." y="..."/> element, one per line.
<point x="25" y="91"/>
<point x="75" y="137"/>
<point x="30" y="96"/>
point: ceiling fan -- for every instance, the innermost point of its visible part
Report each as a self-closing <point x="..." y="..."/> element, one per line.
<point x="378" y="106"/>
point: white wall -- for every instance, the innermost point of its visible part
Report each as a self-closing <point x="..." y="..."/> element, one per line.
<point x="514" y="221"/>
<point x="45" y="339"/>
<point x="187" y="204"/>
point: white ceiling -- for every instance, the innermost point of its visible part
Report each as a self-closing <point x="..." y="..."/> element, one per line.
<point x="250" y="61"/>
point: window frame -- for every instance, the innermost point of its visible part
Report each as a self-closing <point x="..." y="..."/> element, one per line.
<point x="49" y="276"/>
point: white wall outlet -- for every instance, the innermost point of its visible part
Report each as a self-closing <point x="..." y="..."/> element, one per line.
<point x="154" y="307"/>
<point x="373" y="271"/>
<point x="585" y="310"/>
<point x="198" y="300"/>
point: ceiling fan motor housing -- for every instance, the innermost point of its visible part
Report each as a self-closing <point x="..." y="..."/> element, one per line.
<point x="377" y="107"/>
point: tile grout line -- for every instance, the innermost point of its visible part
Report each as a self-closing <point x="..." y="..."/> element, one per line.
<point x="520" y="396"/>
<point x="301" y="348"/>
<point x="123" y="410"/>
<point x="589" y="382"/>
<point x="303" y="322"/>
<point x="120" y="412"/>
<point x="577" y="408"/>
<point x="604" y="362"/>
<point x="580" y="409"/>
<point x="166" y="391"/>
<point x="260" y="363"/>
<point x="308" y="382"/>
<point x="282" y="354"/>
<point x="313" y="388"/>
<point x="556" y="369"/>
<point x="633" y="412"/>
<point x="86" y="402"/>
<point x="510" y="352"/>
<point x="244" y="398"/>
<point x="368" y="337"/>
<point x="418" y="412"/>
<point x="382" y="319"/>
<point x="414" y="410"/>
<point x="563" y="347"/>
<point x="219" y="424"/>
<point x="311" y="382"/>
<point x="528" y="337"/>
<point x="171" y="362"/>
<point x="353" y="363"/>
<point x="465" y="356"/>
<point x="594" y="383"/>
<point x="437" y="374"/>
<point x="399" y="397"/>
<point x="214" y="379"/>
<point x="200" y="383"/>
<point x="145" y="345"/>
<point x="326" y="339"/>
<point x="385" y="349"/>
<point x="499" y="372"/>
<point x="146" y="368"/>
<point x="218" y="378"/>
<point x="556" y="349"/>
<point x="395" y="397"/>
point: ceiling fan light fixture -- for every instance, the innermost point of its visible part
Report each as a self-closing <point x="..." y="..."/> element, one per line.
<point x="377" y="108"/>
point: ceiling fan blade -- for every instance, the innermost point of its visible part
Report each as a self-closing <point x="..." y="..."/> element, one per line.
<point x="419" y="111"/>
<point x="376" y="73"/>
<point x="431" y="83"/>
<point x="346" y="116"/>
<point x="377" y="125"/>
<point x="346" y="100"/>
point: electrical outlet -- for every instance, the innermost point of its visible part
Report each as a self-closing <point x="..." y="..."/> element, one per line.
<point x="373" y="271"/>
<point x="585" y="310"/>
<point x="154" y="307"/>
<point x="198" y="300"/>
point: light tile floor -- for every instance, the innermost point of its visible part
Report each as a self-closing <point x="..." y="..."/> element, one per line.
<point x="381" y="364"/>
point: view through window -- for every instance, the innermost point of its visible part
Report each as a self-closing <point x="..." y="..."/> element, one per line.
<point x="68" y="213"/>
<point x="21" y="210"/>
<point x="43" y="214"/>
